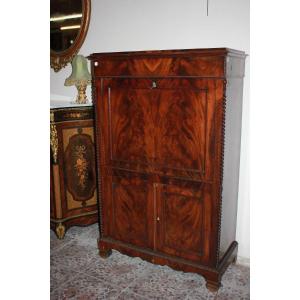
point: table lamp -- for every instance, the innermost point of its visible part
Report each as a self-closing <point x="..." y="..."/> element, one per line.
<point x="80" y="77"/>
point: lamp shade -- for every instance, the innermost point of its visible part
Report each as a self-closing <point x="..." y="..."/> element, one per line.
<point x="80" y="73"/>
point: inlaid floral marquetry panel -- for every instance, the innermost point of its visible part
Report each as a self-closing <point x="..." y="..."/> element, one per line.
<point x="79" y="164"/>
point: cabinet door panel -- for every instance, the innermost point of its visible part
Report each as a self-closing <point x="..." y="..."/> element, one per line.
<point x="132" y="211"/>
<point x="181" y="130"/>
<point x="130" y="124"/>
<point x="184" y="139"/>
<point x="182" y="226"/>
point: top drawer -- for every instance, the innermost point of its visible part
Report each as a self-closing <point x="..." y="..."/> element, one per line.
<point x="208" y="66"/>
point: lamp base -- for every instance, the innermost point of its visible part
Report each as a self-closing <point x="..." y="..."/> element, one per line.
<point x="81" y="96"/>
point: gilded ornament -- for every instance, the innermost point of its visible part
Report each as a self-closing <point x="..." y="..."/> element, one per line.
<point x="81" y="165"/>
<point x="53" y="138"/>
<point x="59" y="62"/>
<point x="60" y="230"/>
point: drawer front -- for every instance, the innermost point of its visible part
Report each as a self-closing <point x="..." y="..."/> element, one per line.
<point x="211" y="66"/>
<point x="161" y="126"/>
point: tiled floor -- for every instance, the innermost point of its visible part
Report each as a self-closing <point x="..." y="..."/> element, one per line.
<point x="78" y="272"/>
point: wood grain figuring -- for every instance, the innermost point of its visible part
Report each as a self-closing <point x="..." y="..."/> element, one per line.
<point x="192" y="62"/>
<point x="160" y="136"/>
<point x="209" y="67"/>
<point x="181" y="222"/>
<point x="130" y="211"/>
<point x="160" y="115"/>
<point x="129" y="137"/>
<point x="177" y="112"/>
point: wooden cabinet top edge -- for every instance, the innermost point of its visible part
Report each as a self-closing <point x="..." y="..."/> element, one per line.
<point x="168" y="53"/>
<point x="63" y="114"/>
<point x="77" y="108"/>
<point x="95" y="77"/>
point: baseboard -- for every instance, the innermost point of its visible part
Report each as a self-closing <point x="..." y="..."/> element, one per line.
<point x="244" y="261"/>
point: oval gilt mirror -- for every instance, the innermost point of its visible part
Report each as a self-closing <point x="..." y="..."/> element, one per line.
<point x="69" y="22"/>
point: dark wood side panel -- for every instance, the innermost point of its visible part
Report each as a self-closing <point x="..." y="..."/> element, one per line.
<point x="233" y="123"/>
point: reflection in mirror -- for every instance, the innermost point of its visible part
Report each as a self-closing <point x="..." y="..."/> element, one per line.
<point x="65" y="23"/>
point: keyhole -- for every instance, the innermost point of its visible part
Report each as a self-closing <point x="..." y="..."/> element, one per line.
<point x="154" y="85"/>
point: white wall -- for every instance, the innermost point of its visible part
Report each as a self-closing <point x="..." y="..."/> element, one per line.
<point x="125" y="25"/>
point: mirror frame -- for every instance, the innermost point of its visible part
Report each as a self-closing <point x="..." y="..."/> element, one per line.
<point x="59" y="60"/>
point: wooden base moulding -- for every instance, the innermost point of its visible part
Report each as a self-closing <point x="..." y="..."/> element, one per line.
<point x="212" y="275"/>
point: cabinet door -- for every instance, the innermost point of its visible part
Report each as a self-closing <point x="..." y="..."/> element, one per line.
<point x="131" y="213"/>
<point x="183" y="220"/>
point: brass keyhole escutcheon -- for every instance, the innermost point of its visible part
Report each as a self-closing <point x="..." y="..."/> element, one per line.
<point x="154" y="85"/>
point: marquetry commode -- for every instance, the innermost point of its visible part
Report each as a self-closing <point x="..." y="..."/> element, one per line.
<point x="73" y="196"/>
<point x="168" y="127"/>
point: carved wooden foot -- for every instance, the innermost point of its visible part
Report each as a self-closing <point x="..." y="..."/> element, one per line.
<point x="105" y="253"/>
<point x="212" y="285"/>
<point x="60" y="230"/>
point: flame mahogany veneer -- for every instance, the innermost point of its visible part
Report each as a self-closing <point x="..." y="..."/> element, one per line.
<point x="168" y="141"/>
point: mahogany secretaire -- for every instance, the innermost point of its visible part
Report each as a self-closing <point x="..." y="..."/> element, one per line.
<point x="168" y="126"/>
<point x="73" y="197"/>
